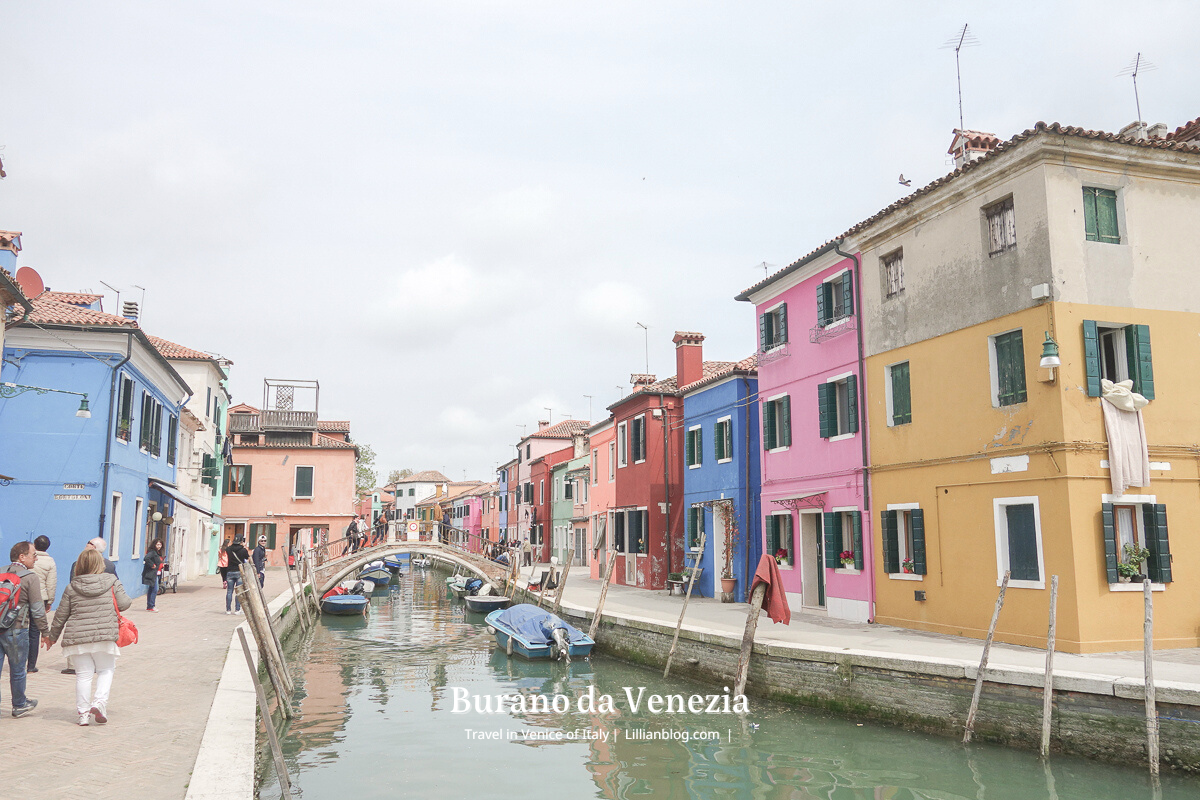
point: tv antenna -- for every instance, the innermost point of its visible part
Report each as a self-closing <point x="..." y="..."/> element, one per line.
<point x="589" y="399"/>
<point x="765" y="266"/>
<point x="646" y="328"/>
<point x="961" y="38"/>
<point x="1139" y="64"/>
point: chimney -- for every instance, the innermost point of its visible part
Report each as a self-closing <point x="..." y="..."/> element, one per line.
<point x="129" y="310"/>
<point x="640" y="379"/>
<point x="1157" y="131"/>
<point x="968" y="146"/>
<point x="689" y="357"/>
<point x="10" y="245"/>
<point x="1134" y="130"/>
<point x="543" y="424"/>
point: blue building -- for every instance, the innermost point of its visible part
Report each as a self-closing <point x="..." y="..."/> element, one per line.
<point x="89" y="426"/>
<point x="503" y="474"/>
<point x="721" y="479"/>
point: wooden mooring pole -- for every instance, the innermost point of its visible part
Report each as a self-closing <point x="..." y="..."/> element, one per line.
<point x="562" y="582"/>
<point x="1151" y="709"/>
<point x="298" y="602"/>
<point x="1048" y="689"/>
<point x="608" y="571"/>
<point x="265" y="710"/>
<point x="743" y="668"/>
<point x="678" y="625"/>
<point x="987" y="646"/>
<point x="282" y="694"/>
<point x="258" y="606"/>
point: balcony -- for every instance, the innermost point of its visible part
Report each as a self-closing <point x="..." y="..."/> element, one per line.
<point x="288" y="420"/>
<point x="243" y="423"/>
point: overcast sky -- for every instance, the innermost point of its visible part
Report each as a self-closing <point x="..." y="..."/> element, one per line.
<point x="453" y="214"/>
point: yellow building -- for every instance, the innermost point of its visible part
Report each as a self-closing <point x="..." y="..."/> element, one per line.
<point x="982" y="461"/>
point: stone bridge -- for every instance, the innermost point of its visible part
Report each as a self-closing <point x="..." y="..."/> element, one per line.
<point x="329" y="573"/>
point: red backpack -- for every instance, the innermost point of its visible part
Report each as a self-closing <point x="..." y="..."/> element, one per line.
<point x="10" y="596"/>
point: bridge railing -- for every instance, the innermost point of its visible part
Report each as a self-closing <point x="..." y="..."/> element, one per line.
<point x="465" y="542"/>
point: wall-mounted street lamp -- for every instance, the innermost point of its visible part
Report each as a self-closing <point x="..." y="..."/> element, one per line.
<point x="1050" y="359"/>
<point x="13" y="389"/>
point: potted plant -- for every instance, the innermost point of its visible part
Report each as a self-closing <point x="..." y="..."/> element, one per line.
<point x="728" y="582"/>
<point x="908" y="566"/>
<point x="847" y="559"/>
<point x="1131" y="567"/>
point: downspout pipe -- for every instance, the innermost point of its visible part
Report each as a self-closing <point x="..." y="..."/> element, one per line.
<point x="108" y="438"/>
<point x="748" y="512"/>
<point x="666" y="486"/>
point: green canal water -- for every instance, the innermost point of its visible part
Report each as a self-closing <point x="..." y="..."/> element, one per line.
<point x="376" y="720"/>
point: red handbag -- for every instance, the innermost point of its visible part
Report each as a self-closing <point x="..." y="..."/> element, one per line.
<point x="127" y="632"/>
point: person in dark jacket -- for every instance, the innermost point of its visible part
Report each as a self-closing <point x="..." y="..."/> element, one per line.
<point x="259" y="557"/>
<point x="14" y="640"/>
<point x="99" y="546"/>
<point x="236" y="551"/>
<point x="152" y="566"/>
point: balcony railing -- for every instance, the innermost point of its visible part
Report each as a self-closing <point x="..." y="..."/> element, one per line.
<point x="288" y="420"/>
<point x="240" y="423"/>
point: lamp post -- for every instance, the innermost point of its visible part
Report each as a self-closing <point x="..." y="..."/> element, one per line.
<point x="13" y="389"/>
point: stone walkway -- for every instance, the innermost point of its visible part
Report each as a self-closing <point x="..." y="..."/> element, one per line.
<point x="160" y="701"/>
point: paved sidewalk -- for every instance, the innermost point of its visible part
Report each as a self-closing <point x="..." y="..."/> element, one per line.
<point x="708" y="614"/>
<point x="161" y="696"/>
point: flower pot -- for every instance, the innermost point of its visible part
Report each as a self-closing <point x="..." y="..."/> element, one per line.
<point x="728" y="585"/>
<point x="1123" y="578"/>
<point x="847" y="565"/>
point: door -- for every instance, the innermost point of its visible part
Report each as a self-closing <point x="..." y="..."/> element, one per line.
<point x="716" y="543"/>
<point x="812" y="571"/>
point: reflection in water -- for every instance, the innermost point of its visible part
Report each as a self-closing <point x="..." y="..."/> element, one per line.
<point x="375" y="720"/>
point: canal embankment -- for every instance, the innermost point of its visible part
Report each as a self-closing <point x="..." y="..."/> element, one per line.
<point x="922" y="681"/>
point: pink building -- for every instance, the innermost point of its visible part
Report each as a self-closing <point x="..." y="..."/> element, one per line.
<point x="814" y="504"/>
<point x="602" y="493"/>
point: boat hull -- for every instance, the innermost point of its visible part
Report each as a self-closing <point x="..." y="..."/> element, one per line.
<point x="483" y="604"/>
<point x="379" y="577"/>
<point x="531" y="650"/>
<point x="344" y="605"/>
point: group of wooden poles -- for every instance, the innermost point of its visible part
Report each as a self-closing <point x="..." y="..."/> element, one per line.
<point x="1048" y="687"/>
<point x="305" y="603"/>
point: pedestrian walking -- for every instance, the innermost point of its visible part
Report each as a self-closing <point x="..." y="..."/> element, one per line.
<point x="236" y="553"/>
<point x="47" y="572"/>
<point x="259" y="558"/>
<point x="352" y="534"/>
<point x="20" y="605"/>
<point x="87" y="622"/>
<point x="152" y="566"/>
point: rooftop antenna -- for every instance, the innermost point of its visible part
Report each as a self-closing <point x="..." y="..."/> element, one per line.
<point x="961" y="38"/>
<point x="1139" y="64"/>
<point x="118" y="291"/>
<point x="549" y="411"/>
<point x="646" y="328"/>
<point x="589" y="399"/>
<point x="765" y="266"/>
<point x="522" y="426"/>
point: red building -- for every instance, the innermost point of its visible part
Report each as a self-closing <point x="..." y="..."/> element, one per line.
<point x="646" y="523"/>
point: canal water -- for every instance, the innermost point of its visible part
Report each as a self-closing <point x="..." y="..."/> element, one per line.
<point x="376" y="720"/>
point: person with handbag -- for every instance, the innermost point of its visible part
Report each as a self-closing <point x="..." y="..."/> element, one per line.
<point x="236" y="555"/>
<point x="152" y="566"/>
<point x="89" y="620"/>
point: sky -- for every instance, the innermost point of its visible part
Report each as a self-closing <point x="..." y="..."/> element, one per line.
<point x="453" y="215"/>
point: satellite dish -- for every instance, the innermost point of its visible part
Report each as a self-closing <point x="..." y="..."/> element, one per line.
<point x="30" y="282"/>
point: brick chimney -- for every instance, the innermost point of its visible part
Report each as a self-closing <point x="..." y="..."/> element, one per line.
<point x="689" y="357"/>
<point x="639" y="379"/>
<point x="543" y="424"/>
<point x="969" y="146"/>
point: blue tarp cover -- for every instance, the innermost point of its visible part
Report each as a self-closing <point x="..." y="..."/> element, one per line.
<point x="534" y="624"/>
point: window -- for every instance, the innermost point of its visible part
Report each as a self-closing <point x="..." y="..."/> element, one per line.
<point x="304" y="482"/>
<point x="835" y="299"/>
<point x="837" y="407"/>
<point x="618" y="531"/>
<point x="637" y="438"/>
<point x="595" y="467"/>
<point x="903" y="534"/>
<point x="568" y="490"/>
<point x="694" y="446"/>
<point x="114" y="527"/>
<point x="542" y="492"/>
<point x="695" y="527"/>
<point x="529" y="492"/>
<point x="125" y="410"/>
<point x="1002" y="227"/>
<point x="899" y="397"/>
<point x="637" y="531"/>
<point x="843" y="532"/>
<point x="237" y="479"/>
<point x="1008" y="355"/>
<point x="779" y="539"/>
<point x="172" y="435"/>
<point x="528" y="450"/>
<point x="1137" y="525"/>
<point x="151" y="435"/>
<point x="612" y="461"/>
<point x="723" y="439"/>
<point x="772" y="328"/>
<point x="1019" y="542"/>
<point x="777" y="422"/>
<point x="1100" y="215"/>
<point x="138" y="504"/>
<point x="1117" y="353"/>
<point x="208" y="406"/>
<point x="893" y="272"/>
<point x="623" y="444"/>
<point x="263" y="529"/>
<point x="535" y="535"/>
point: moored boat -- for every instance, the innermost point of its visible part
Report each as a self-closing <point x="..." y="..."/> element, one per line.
<point x="344" y="604"/>
<point x="538" y="634"/>
<point x="484" y="603"/>
<point x="392" y="564"/>
<point x="422" y="562"/>
<point x="377" y="575"/>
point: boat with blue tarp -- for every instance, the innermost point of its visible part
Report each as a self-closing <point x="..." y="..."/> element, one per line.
<point x="537" y="634"/>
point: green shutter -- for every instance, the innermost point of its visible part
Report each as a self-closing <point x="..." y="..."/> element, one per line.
<point x="270" y="526"/>
<point x="728" y="438"/>
<point x="769" y="425"/>
<point x="822" y="306"/>
<point x="827" y="409"/>
<point x="848" y="295"/>
<point x="718" y="441"/>
<point x="1106" y="216"/>
<point x="1158" y="565"/>
<point x="1141" y="364"/>
<point x="772" y="535"/>
<point x="225" y="486"/>
<point x="246" y="472"/>
<point x="918" y="540"/>
<point x="698" y="448"/>
<point x="781" y="331"/>
<point x="763" y="341"/>
<point x="1091" y="357"/>
<point x="1089" y="214"/>
<point x="1108" y="521"/>
<point x="785" y="422"/>
<point x="1010" y="368"/>
<point x="852" y="403"/>
<point x="856" y="523"/>
<point x="891" y="548"/>
<point x="901" y="398"/>
<point x="689" y="447"/>
<point x="833" y="539"/>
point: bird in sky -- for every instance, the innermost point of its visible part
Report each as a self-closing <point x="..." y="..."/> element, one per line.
<point x="904" y="181"/>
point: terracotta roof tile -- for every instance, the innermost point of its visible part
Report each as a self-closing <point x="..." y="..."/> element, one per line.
<point x="425" y="476"/>
<point x="561" y="430"/>
<point x="172" y="350"/>
<point x="74" y="298"/>
<point x="333" y="425"/>
<point x="748" y="364"/>
<point x="47" y="311"/>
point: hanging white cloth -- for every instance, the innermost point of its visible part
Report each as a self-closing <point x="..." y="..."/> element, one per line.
<point x="1128" y="455"/>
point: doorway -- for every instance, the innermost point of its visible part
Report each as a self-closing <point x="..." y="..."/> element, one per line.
<point x="812" y="571"/>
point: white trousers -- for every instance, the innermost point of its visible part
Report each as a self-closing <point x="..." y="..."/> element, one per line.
<point x="86" y="665"/>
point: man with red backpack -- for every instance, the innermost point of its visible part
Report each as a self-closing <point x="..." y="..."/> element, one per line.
<point x="20" y="600"/>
